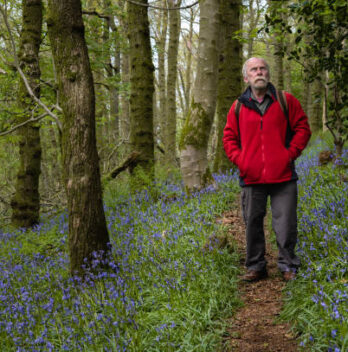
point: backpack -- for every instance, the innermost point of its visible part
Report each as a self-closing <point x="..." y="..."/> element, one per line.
<point x="284" y="106"/>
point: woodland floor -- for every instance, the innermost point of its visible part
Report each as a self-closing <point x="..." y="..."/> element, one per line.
<point x="254" y="327"/>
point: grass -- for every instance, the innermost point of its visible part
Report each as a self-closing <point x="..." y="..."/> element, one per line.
<point x="170" y="288"/>
<point x="165" y="292"/>
<point x="316" y="303"/>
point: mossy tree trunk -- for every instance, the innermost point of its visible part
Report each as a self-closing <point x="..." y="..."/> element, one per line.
<point x="174" y="31"/>
<point x="26" y="200"/>
<point x="142" y="85"/>
<point x="230" y="80"/>
<point x="195" y="133"/>
<point x="87" y="225"/>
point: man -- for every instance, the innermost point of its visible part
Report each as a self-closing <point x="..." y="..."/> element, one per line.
<point x="263" y="142"/>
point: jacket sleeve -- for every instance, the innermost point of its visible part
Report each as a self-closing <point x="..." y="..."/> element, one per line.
<point x="299" y="125"/>
<point x="230" y="136"/>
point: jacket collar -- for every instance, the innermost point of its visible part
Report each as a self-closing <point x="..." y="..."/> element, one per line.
<point x="246" y="96"/>
<point x="246" y="99"/>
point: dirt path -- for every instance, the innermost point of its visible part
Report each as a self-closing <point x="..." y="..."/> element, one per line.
<point x="253" y="328"/>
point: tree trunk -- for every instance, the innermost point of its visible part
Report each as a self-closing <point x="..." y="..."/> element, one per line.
<point x="278" y="66"/>
<point x="124" y="95"/>
<point x="254" y="18"/>
<point x="26" y="200"/>
<point x="87" y="225"/>
<point x="161" y="44"/>
<point x="326" y="101"/>
<point x="278" y="40"/>
<point x="306" y="96"/>
<point x="124" y="103"/>
<point x="188" y="73"/>
<point x="195" y="134"/>
<point x="251" y="27"/>
<point x="287" y="76"/>
<point x="230" y="78"/>
<point x="112" y="69"/>
<point x="142" y="85"/>
<point x="315" y="115"/>
<point x="174" y="31"/>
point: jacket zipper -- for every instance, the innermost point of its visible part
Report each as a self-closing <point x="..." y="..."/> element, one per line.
<point x="263" y="152"/>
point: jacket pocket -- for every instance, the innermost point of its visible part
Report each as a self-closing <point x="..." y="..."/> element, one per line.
<point x="281" y="165"/>
<point x="251" y="167"/>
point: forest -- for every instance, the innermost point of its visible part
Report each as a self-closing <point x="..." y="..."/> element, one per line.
<point x="119" y="209"/>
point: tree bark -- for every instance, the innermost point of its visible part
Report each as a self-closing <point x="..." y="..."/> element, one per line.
<point x="87" y="226"/>
<point x="142" y="85"/>
<point x="195" y="133"/>
<point x="174" y="31"/>
<point x="26" y="200"/>
<point x="315" y="111"/>
<point x="112" y="69"/>
<point x="124" y="95"/>
<point x="230" y="77"/>
<point x="288" y="71"/>
<point x="188" y="73"/>
<point x="278" y="40"/>
<point x="278" y="64"/>
<point x="254" y="17"/>
<point x="161" y="117"/>
<point x="306" y="95"/>
<point x="124" y="102"/>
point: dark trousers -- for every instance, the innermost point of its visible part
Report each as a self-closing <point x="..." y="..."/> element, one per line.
<point x="284" y="221"/>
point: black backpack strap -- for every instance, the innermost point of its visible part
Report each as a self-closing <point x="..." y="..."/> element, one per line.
<point x="236" y="112"/>
<point x="284" y="106"/>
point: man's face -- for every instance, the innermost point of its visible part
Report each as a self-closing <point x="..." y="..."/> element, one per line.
<point x="257" y="74"/>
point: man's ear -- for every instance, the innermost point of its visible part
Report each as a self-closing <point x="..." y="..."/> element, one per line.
<point x="246" y="79"/>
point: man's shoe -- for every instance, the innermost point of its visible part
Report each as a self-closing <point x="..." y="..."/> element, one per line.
<point x="288" y="275"/>
<point x="255" y="275"/>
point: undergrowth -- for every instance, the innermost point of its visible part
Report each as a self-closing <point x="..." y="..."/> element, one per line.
<point x="316" y="303"/>
<point x="170" y="287"/>
<point x="167" y="290"/>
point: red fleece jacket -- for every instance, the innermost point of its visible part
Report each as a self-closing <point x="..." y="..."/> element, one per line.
<point x="263" y="157"/>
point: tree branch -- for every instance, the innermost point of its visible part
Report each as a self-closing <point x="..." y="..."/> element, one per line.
<point x="96" y="13"/>
<point x="102" y="84"/>
<point x="23" y="124"/>
<point x="162" y="8"/>
<point x="327" y="124"/>
<point x="130" y="161"/>
<point x="49" y="84"/>
<point x="117" y="146"/>
<point x="26" y="83"/>
<point x="109" y="18"/>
